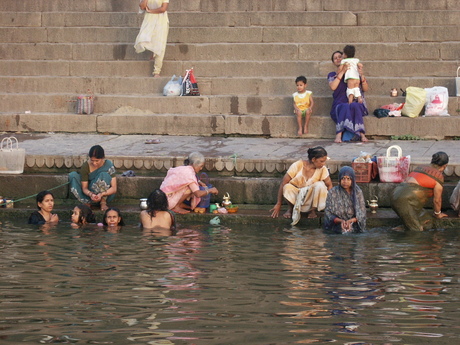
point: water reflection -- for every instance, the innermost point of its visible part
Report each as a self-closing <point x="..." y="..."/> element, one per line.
<point x="216" y="285"/>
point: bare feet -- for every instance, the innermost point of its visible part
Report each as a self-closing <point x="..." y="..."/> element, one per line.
<point x="299" y="132"/>
<point x="338" y="138"/>
<point x="305" y="130"/>
<point x="104" y="206"/>
<point x="180" y="210"/>
<point x="156" y="75"/>
<point x="287" y="214"/>
<point x="360" y="99"/>
<point x="363" y="137"/>
<point x="312" y="214"/>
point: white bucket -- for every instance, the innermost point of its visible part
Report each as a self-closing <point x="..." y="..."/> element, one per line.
<point x="457" y="82"/>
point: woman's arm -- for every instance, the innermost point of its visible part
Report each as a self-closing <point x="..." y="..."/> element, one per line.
<point x="162" y="9"/>
<point x="328" y="182"/>
<point x="143" y="4"/>
<point x="201" y="193"/>
<point x="340" y="74"/>
<point x="276" y="209"/>
<point x="437" y="201"/>
<point x="364" y="84"/>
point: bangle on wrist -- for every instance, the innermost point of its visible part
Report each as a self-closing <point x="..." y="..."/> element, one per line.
<point x="436" y="213"/>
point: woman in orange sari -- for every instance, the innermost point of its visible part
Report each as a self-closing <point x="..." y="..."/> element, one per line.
<point x="409" y="198"/>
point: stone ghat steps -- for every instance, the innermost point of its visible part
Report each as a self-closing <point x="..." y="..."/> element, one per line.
<point x="233" y="19"/>
<point x="223" y="69"/>
<point x="269" y="34"/>
<point x="243" y="190"/>
<point x="275" y="126"/>
<point x="224" y="86"/>
<point x="372" y="53"/>
<point x="229" y="5"/>
<point x="157" y="104"/>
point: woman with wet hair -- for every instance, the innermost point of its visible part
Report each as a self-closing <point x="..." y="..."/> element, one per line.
<point x="304" y="186"/>
<point x="409" y="197"/>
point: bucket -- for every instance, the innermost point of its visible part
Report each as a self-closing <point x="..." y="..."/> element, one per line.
<point x="457" y="82"/>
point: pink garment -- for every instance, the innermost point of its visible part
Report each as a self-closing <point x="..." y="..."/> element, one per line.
<point x="179" y="181"/>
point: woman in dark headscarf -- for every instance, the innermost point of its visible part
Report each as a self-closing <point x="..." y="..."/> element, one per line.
<point x="345" y="208"/>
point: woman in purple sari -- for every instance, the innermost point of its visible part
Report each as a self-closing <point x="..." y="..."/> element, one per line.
<point x="348" y="117"/>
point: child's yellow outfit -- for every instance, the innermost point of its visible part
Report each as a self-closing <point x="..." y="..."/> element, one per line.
<point x="302" y="100"/>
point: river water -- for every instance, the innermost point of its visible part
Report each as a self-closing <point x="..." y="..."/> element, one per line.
<point x="219" y="285"/>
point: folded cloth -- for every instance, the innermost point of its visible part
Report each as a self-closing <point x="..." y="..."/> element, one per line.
<point x="128" y="173"/>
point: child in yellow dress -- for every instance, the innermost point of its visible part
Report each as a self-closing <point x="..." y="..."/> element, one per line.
<point x="303" y="104"/>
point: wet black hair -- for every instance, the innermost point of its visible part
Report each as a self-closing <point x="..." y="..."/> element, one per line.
<point x="157" y="201"/>
<point x="301" y="78"/>
<point x="349" y="51"/>
<point x="86" y="214"/>
<point x="41" y="196"/>
<point x="97" y="152"/>
<point x="316" y="152"/>
<point x="104" y="222"/>
<point x="337" y="51"/>
<point x="440" y="158"/>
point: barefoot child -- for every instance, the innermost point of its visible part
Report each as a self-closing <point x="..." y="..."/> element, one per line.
<point x="352" y="74"/>
<point x="303" y="104"/>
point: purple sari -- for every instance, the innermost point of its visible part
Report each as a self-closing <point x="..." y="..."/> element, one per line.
<point x="348" y="117"/>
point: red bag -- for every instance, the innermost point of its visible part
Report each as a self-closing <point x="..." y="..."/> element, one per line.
<point x="189" y="84"/>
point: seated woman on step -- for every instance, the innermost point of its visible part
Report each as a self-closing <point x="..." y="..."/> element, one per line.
<point x="305" y="186"/>
<point x="348" y="117"/>
<point x="182" y="187"/>
<point x="96" y="182"/>
<point x="409" y="197"/>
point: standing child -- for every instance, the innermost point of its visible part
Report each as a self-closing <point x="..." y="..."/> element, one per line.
<point x="303" y="104"/>
<point x="352" y="74"/>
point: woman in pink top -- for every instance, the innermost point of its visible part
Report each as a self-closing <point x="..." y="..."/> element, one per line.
<point x="181" y="184"/>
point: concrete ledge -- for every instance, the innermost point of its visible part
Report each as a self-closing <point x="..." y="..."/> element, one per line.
<point x="243" y="190"/>
<point x="275" y="126"/>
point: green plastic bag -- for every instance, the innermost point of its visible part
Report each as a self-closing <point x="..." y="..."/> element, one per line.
<point x="415" y="101"/>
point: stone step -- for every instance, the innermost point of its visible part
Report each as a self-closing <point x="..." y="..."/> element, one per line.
<point x="222" y="69"/>
<point x="135" y="121"/>
<point x="289" y="52"/>
<point x="228" y="6"/>
<point x="232" y="19"/>
<point x="282" y="34"/>
<point x="243" y="190"/>
<point x="262" y="86"/>
<point x="157" y="104"/>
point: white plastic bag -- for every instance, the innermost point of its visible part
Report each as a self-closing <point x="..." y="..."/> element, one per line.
<point x="437" y="101"/>
<point x="173" y="87"/>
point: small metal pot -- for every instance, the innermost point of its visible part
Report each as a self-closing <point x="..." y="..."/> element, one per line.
<point x="143" y="203"/>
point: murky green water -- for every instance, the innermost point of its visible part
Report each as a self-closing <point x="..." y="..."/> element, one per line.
<point x="241" y="285"/>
